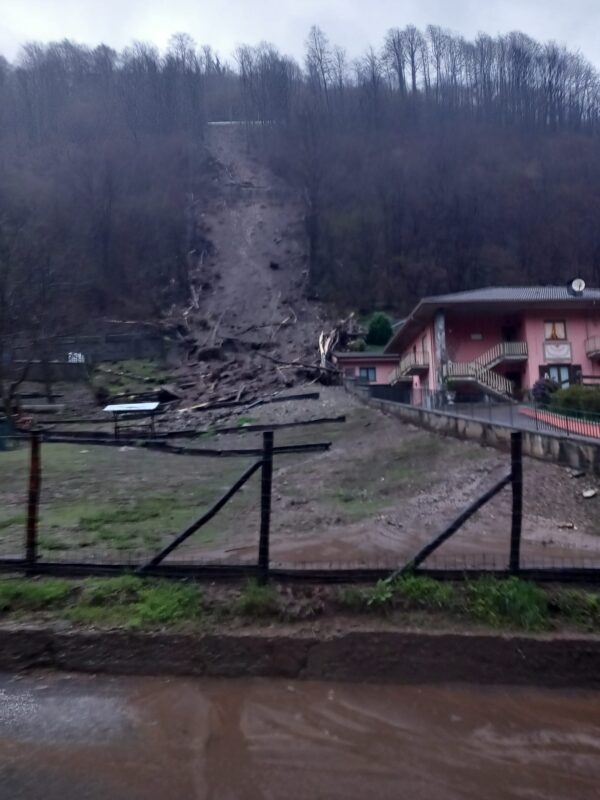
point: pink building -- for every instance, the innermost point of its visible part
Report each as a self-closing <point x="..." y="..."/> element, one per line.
<point x="500" y="340"/>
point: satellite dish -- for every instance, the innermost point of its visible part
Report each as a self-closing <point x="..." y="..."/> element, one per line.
<point x="577" y="286"/>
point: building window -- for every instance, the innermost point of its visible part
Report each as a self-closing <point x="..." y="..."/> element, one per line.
<point x="367" y="374"/>
<point x="555" y="330"/>
<point x="562" y="374"/>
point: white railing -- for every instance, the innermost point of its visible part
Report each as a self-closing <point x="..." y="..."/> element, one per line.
<point x="592" y="346"/>
<point x="413" y="360"/>
<point x="408" y="363"/>
<point x="486" y="377"/>
<point x="500" y="352"/>
<point x="479" y="369"/>
<point x="396" y="375"/>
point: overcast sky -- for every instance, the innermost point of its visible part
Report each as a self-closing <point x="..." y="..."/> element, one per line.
<point x="354" y="24"/>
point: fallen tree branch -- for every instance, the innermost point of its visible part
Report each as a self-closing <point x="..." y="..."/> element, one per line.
<point x="301" y="364"/>
<point x="212" y="336"/>
<point x="157" y="325"/>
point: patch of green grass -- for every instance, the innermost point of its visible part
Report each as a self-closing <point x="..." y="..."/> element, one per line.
<point x="411" y="591"/>
<point x="51" y="543"/>
<point x="33" y="595"/>
<point x="135" y="602"/>
<point x="578" y="606"/>
<point x="165" y="603"/>
<point x="109" y="591"/>
<point x="381" y="595"/>
<point x="257" y="601"/>
<point x="243" y="421"/>
<point x="16" y="519"/>
<point x="425" y="592"/>
<point x="123" y="524"/>
<point x="125" y="600"/>
<point x="508" y="603"/>
<point x="140" y="510"/>
<point x="137" y="374"/>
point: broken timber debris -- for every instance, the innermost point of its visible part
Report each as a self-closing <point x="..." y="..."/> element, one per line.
<point x="254" y="402"/>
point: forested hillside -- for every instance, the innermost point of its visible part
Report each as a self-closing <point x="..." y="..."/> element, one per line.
<point x="101" y="160"/>
<point x="429" y="164"/>
<point x="435" y="164"/>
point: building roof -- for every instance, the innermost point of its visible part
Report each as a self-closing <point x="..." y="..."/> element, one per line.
<point x="492" y="299"/>
<point x="130" y="408"/>
<point x="365" y="355"/>
<point x="512" y="294"/>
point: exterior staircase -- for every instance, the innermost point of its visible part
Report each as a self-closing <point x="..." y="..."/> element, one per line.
<point x="480" y="371"/>
<point x="412" y="364"/>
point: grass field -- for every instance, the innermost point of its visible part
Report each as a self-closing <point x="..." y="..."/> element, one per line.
<point x="115" y="499"/>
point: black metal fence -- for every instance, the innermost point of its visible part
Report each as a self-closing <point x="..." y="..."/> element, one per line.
<point x="426" y="560"/>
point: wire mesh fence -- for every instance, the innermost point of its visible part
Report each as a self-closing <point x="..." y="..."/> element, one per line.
<point x="117" y="504"/>
<point x="102" y="507"/>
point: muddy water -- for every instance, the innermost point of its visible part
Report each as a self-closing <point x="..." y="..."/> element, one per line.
<point x="86" y="737"/>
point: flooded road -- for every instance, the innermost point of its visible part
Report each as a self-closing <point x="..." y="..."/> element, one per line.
<point x="67" y="737"/>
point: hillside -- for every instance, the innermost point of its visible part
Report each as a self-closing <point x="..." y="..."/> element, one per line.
<point x="430" y="164"/>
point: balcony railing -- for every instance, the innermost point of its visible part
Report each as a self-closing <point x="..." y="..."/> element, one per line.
<point x="592" y="347"/>
<point x="414" y="362"/>
<point x="411" y="364"/>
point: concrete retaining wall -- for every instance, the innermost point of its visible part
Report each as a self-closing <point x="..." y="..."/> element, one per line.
<point x="545" y="446"/>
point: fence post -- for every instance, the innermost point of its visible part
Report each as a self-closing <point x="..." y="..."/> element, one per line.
<point x="35" y="481"/>
<point x="265" y="507"/>
<point x="516" y="458"/>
